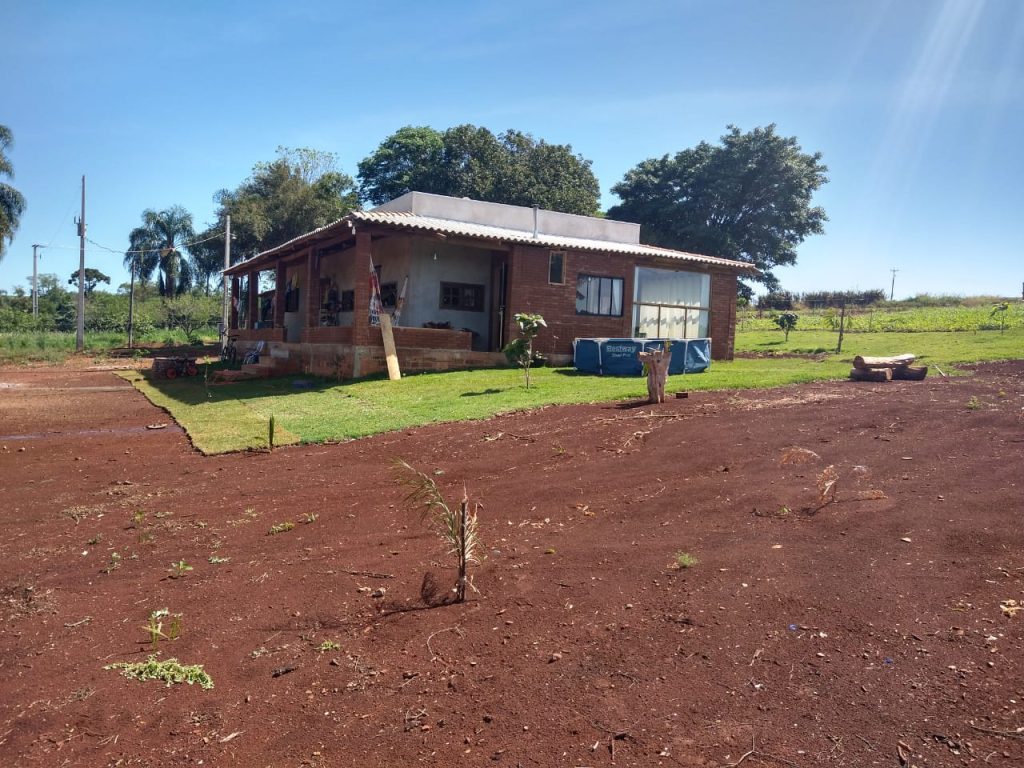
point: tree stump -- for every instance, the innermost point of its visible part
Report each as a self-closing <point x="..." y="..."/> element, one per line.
<point x="657" y="362"/>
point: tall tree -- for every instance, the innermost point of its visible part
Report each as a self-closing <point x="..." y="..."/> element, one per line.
<point x="164" y="233"/>
<point x="93" y="277"/>
<point x="747" y="199"/>
<point x="470" y="161"/>
<point x="301" y="190"/>
<point x="12" y="202"/>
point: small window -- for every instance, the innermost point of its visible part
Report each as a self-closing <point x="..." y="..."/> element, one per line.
<point x="599" y="295"/>
<point x="348" y="301"/>
<point x="389" y="295"/>
<point x="556" y="267"/>
<point x="462" y="296"/>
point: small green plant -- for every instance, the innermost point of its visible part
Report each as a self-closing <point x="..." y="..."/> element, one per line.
<point x="155" y="626"/>
<point x="179" y="569"/>
<point x="309" y="517"/>
<point x="169" y="671"/>
<point x="1001" y="308"/>
<point x="328" y="645"/>
<point x="138" y="518"/>
<point x="217" y="560"/>
<point x="974" y="404"/>
<point x="114" y="564"/>
<point x="684" y="560"/>
<point x="280" y="528"/>
<point x="786" y="322"/>
<point x="520" y="351"/>
<point x="456" y="528"/>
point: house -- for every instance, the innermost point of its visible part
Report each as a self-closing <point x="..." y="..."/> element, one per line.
<point x="458" y="270"/>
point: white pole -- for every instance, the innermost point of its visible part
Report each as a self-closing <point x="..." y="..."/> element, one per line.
<point x="226" y="308"/>
<point x="80" y="336"/>
<point x="35" y="280"/>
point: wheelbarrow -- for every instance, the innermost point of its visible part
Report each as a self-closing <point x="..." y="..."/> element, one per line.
<point x="173" y="367"/>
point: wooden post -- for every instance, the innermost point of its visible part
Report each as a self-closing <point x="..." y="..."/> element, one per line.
<point x="233" y="313"/>
<point x="253" y="311"/>
<point x="313" y="297"/>
<point x="842" y="326"/>
<point x="280" y="279"/>
<point x="390" y="351"/>
<point x="657" y="362"/>
<point x="361" y="300"/>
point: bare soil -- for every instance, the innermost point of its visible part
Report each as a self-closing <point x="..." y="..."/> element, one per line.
<point x="870" y="631"/>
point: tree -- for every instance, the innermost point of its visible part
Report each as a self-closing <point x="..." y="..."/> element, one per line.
<point x="520" y="351"/>
<point x="12" y="202"/>
<point x="470" y="161"/>
<point x="786" y="322"/>
<point x="302" y="190"/>
<point x="158" y="244"/>
<point x="748" y="199"/>
<point x="93" y="277"/>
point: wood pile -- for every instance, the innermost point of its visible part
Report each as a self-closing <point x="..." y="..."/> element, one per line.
<point x="896" y="367"/>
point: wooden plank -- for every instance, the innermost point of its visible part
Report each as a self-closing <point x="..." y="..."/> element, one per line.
<point x="910" y="372"/>
<point x="390" y="351"/>
<point x="871" y="374"/>
<point x="883" y="362"/>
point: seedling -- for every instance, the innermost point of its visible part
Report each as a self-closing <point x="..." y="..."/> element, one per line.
<point x="216" y="560"/>
<point x="786" y="322"/>
<point x="155" y="626"/>
<point x="280" y="528"/>
<point x="457" y="529"/>
<point x="328" y="645"/>
<point x="974" y="404"/>
<point x="170" y="671"/>
<point x="684" y="560"/>
<point x="309" y="517"/>
<point x="179" y="569"/>
<point x="520" y="351"/>
<point x="138" y="518"/>
<point x="115" y="563"/>
<point x="95" y="540"/>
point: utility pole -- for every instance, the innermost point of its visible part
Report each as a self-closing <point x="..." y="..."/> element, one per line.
<point x="35" y="279"/>
<point x="80" y="335"/>
<point x="892" y="288"/>
<point x="225" y="318"/>
<point x="131" y="305"/>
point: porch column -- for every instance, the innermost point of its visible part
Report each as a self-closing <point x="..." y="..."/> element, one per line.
<point x="233" y="312"/>
<point x="312" y="289"/>
<point x="361" y="300"/>
<point x="254" y="299"/>
<point x="279" y="285"/>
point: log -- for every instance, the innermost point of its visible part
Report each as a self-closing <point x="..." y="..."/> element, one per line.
<point x="657" y="361"/>
<point x="910" y="373"/>
<point x="883" y="362"/>
<point x="871" y="374"/>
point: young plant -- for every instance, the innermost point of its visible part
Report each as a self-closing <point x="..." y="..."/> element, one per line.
<point x="179" y="569"/>
<point x="217" y="560"/>
<point x="280" y="528"/>
<point x="169" y="671"/>
<point x="787" y="322"/>
<point x="1001" y="308"/>
<point x="684" y="560"/>
<point x="520" y="351"/>
<point x="155" y="626"/>
<point x="457" y="528"/>
<point x="328" y="645"/>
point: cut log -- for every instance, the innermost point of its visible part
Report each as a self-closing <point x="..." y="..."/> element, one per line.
<point x="871" y="374"/>
<point x="910" y="372"/>
<point x="657" y="361"/>
<point x="883" y="362"/>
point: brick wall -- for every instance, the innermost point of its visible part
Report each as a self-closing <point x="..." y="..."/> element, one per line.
<point x="530" y="291"/>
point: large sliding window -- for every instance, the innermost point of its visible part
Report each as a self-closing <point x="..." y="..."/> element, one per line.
<point x="671" y="305"/>
<point x="599" y="295"/>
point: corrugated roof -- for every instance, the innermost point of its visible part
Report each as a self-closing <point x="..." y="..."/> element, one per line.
<point x="414" y="222"/>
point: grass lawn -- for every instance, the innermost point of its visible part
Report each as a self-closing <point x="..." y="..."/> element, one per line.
<point x="235" y="416"/>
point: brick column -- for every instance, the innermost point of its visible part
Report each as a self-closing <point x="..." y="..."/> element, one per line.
<point x="312" y="290"/>
<point x="361" y="306"/>
<point x="233" y="311"/>
<point x="722" y="323"/>
<point x="279" y="287"/>
<point x="254" y="299"/>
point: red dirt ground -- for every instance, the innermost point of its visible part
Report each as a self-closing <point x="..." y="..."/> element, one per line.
<point x="867" y="633"/>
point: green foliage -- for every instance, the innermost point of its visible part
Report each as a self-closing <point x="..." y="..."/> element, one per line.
<point x="169" y="671"/>
<point x="280" y="528"/>
<point x="457" y="529"/>
<point x="180" y="569"/>
<point x="974" y="404"/>
<point x="328" y="645"/>
<point x="685" y="560"/>
<point x="189" y="313"/>
<point x="470" y="161"/>
<point x="158" y="243"/>
<point x="787" y="322"/>
<point x="93" y="277"/>
<point x="155" y="626"/>
<point x="748" y="199"/>
<point x="520" y="351"/>
<point x="299" y="191"/>
<point x="901" y="317"/>
<point x="12" y="202"/>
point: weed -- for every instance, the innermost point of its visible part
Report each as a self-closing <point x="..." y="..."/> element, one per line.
<point x="684" y="560"/>
<point x="114" y="564"/>
<point x="309" y="517"/>
<point x="974" y="404"/>
<point x="216" y="560"/>
<point x="179" y="569"/>
<point x="155" y="626"/>
<point x="280" y="528"/>
<point x="828" y="484"/>
<point x="169" y="671"/>
<point x="328" y="645"/>
<point x="147" y="538"/>
<point x="138" y="518"/>
<point x="94" y="540"/>
<point x="456" y="528"/>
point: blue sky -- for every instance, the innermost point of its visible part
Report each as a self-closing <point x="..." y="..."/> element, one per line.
<point x="916" y="105"/>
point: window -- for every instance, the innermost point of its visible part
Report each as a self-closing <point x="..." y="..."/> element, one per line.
<point x="556" y="267"/>
<point x="348" y="301"/>
<point x="389" y="295"/>
<point x="670" y="304"/>
<point x="599" y="295"/>
<point x="462" y="296"/>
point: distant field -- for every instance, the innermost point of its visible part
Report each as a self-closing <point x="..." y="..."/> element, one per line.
<point x="895" y="320"/>
<point x="54" y="347"/>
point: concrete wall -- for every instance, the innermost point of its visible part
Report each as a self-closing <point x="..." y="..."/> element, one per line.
<point x="513" y="217"/>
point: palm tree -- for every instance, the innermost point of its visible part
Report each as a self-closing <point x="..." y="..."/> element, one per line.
<point x="12" y="202"/>
<point x="164" y="233"/>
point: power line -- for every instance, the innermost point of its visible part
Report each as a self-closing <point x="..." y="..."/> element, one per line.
<point x="101" y="247"/>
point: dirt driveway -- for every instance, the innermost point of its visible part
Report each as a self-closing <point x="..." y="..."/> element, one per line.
<point x="874" y="631"/>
